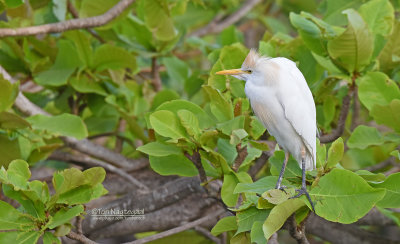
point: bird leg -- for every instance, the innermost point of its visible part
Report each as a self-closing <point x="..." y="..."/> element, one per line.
<point x="303" y="190"/>
<point x="278" y="183"/>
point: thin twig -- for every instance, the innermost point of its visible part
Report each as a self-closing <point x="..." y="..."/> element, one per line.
<point x="206" y="233"/>
<point x="217" y="26"/>
<point x="71" y="24"/>
<point x="179" y="229"/>
<point x="95" y="162"/>
<point x="341" y="122"/>
<point x="75" y="14"/>
<point x="79" y="237"/>
<point x="381" y="165"/>
<point x="119" y="142"/>
<point x="155" y="74"/>
<point x="242" y="154"/>
<point x="79" y="220"/>
<point x="196" y="159"/>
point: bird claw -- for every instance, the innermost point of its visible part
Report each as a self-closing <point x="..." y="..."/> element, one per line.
<point x="282" y="188"/>
<point x="303" y="191"/>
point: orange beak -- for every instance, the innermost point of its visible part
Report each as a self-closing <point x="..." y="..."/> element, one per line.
<point x="230" y="72"/>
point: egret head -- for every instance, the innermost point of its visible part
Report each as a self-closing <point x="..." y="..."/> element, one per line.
<point x="251" y="67"/>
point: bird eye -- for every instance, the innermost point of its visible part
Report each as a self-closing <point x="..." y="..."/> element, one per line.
<point x="249" y="71"/>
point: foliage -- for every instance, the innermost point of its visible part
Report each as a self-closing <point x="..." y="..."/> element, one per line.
<point x="40" y="212"/>
<point x="90" y="84"/>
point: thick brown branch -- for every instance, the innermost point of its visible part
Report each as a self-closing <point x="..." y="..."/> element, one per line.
<point x="178" y="229"/>
<point x="217" y="26"/>
<point x="341" y="122"/>
<point x="242" y="154"/>
<point x="81" y="238"/>
<point x="196" y="159"/>
<point x="69" y="24"/>
<point x="297" y="232"/>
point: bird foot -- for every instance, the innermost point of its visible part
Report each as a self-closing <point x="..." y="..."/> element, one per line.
<point x="303" y="191"/>
<point x="282" y="188"/>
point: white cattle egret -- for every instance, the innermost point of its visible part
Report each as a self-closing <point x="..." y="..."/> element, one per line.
<point x="281" y="99"/>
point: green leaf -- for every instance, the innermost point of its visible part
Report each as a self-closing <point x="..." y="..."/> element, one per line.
<point x="364" y="136"/>
<point x="94" y="176"/>
<point x="64" y="125"/>
<point x="260" y="186"/>
<point x="227" y="150"/>
<point x="257" y="128"/>
<point x="379" y="16"/>
<point x="231" y="125"/>
<point x="173" y="165"/>
<point x="166" y="123"/>
<point x="159" y="149"/>
<point x="353" y="48"/>
<point x="8" y="93"/>
<point x="20" y="237"/>
<point x="18" y="174"/>
<point x="278" y="216"/>
<point x="205" y="121"/>
<point x="228" y="187"/>
<point x="108" y="56"/>
<point x="388" y="57"/>
<point x="63" y="216"/>
<point x="388" y="115"/>
<point x="177" y="70"/>
<point x="190" y="122"/>
<point x="335" y="153"/>
<point x="329" y="110"/>
<point x="392" y="197"/>
<point x="343" y="196"/>
<point x="246" y="218"/>
<point x="62" y="230"/>
<point x="11" y="219"/>
<point x="49" y="238"/>
<point x="13" y="3"/>
<point x="12" y="121"/>
<point x="368" y="176"/>
<point x="230" y="57"/>
<point x="376" y="88"/>
<point x="66" y="63"/>
<point x="85" y="85"/>
<point x="292" y="169"/>
<point x="9" y="149"/>
<point x="164" y="96"/>
<point x="82" y="44"/>
<point x="82" y="194"/>
<point x="276" y="196"/>
<point x="224" y="225"/>
<point x="333" y="9"/>
<point x="158" y="20"/>
<point x="257" y="234"/>
<point x="220" y="107"/>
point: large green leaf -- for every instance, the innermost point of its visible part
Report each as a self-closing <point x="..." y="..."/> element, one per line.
<point x="388" y="115"/>
<point x="158" y="19"/>
<point x="66" y="63"/>
<point x="257" y="234"/>
<point x="224" y="225"/>
<point x="364" y="136"/>
<point x="335" y="153"/>
<point x="8" y="93"/>
<point x="159" y="149"/>
<point x="9" y="149"/>
<point x="333" y="9"/>
<point x="18" y="174"/>
<point x="343" y="196"/>
<point x="20" y="237"/>
<point x="11" y="219"/>
<point x="292" y="168"/>
<point x="190" y="122"/>
<point x="278" y="216"/>
<point x="205" y="121"/>
<point x="389" y="56"/>
<point x="221" y="108"/>
<point x="64" y="125"/>
<point x="166" y="123"/>
<point x="260" y="186"/>
<point x="64" y="216"/>
<point x="12" y="121"/>
<point x="173" y="165"/>
<point x="353" y="48"/>
<point x="392" y="186"/>
<point x="228" y="187"/>
<point x="377" y="88"/>
<point x="111" y="57"/>
<point x="246" y="218"/>
<point x="379" y="16"/>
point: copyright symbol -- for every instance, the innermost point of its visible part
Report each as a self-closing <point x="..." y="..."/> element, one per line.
<point x="94" y="211"/>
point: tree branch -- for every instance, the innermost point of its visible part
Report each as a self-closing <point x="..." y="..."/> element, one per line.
<point x="206" y="233"/>
<point x="178" y="229"/>
<point x="79" y="237"/>
<point x="196" y="159"/>
<point x="64" y="156"/>
<point x="297" y="232"/>
<point x="242" y="154"/>
<point x="341" y="122"/>
<point x="216" y="26"/>
<point x="85" y="146"/>
<point x="155" y="74"/>
<point x="69" y="24"/>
